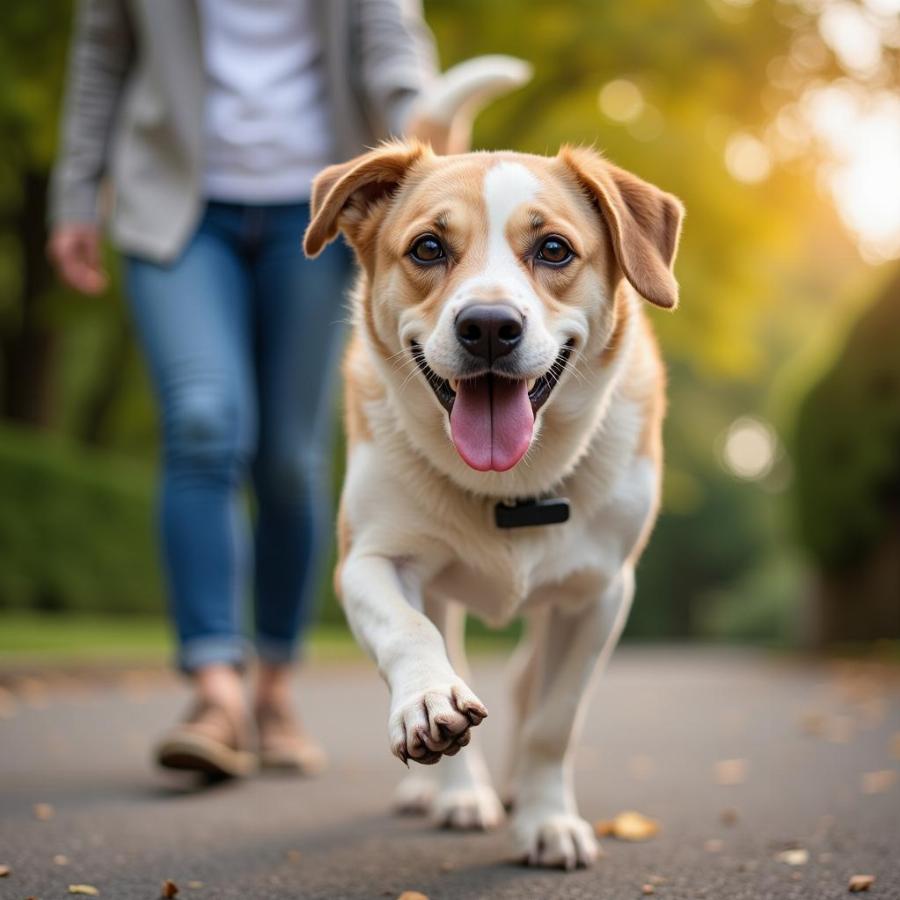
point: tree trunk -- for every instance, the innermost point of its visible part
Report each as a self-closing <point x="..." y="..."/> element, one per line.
<point x="29" y="343"/>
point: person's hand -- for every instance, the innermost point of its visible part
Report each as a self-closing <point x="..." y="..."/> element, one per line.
<point x="74" y="250"/>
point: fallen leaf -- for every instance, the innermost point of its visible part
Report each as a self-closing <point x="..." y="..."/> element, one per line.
<point x="169" y="889"/>
<point x="628" y="826"/>
<point x="87" y="890"/>
<point x="647" y="889"/>
<point x="860" y="883"/>
<point x="796" y="857"/>
<point x="61" y="859"/>
<point x="412" y="895"/>
<point x="4" y="871"/>
<point x="713" y="845"/>
<point x="728" y="816"/>
<point x="294" y="856"/>
<point x="730" y="771"/>
<point x="878" y="782"/>
<point x="44" y="811"/>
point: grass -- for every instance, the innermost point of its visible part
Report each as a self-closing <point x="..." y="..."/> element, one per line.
<point x="64" y="638"/>
<point x="28" y="637"/>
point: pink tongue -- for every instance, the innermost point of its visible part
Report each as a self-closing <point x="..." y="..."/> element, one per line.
<point x="491" y="422"/>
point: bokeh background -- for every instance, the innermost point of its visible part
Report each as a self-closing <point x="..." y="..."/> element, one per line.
<point x="777" y="123"/>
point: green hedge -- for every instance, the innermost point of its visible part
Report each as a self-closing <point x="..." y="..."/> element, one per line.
<point x="76" y="529"/>
<point x="847" y="443"/>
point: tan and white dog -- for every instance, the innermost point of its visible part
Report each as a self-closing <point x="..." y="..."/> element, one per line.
<point x="500" y="352"/>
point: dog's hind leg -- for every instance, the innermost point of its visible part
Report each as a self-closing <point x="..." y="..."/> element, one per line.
<point x="523" y="667"/>
<point x="465" y="798"/>
<point x="573" y="643"/>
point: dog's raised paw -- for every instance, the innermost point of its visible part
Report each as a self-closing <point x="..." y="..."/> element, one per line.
<point x="475" y="808"/>
<point x="558" y="841"/>
<point x="430" y="724"/>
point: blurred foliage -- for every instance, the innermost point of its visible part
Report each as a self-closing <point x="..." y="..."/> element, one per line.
<point x="76" y="528"/>
<point x="847" y="443"/>
<point x="765" y="267"/>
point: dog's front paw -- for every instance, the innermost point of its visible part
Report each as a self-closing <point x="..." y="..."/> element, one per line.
<point x="557" y="840"/>
<point x="474" y="808"/>
<point x="426" y="725"/>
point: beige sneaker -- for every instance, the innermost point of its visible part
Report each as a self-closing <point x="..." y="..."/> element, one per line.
<point x="283" y="744"/>
<point x="211" y="740"/>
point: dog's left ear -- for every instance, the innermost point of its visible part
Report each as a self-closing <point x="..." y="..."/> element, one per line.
<point x="344" y="196"/>
<point x="644" y="223"/>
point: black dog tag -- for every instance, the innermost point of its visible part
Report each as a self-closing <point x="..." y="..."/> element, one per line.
<point x="522" y="513"/>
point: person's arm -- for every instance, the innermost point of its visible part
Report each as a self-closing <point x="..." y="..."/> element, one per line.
<point x="99" y="60"/>
<point x="398" y="60"/>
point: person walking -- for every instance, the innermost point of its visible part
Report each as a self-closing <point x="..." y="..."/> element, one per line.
<point x="195" y="128"/>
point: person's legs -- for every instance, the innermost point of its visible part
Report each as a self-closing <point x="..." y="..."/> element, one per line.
<point x="194" y="322"/>
<point x="300" y="311"/>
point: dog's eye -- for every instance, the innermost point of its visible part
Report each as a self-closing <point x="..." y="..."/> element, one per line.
<point x="555" y="250"/>
<point x="427" y="249"/>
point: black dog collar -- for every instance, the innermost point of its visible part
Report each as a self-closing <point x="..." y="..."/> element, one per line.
<point x="531" y="511"/>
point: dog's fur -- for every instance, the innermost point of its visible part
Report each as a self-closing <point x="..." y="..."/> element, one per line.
<point x="417" y="534"/>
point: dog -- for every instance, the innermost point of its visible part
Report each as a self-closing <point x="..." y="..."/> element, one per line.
<point x="501" y="372"/>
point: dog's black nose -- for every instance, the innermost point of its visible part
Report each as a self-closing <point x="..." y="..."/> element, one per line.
<point x="489" y="330"/>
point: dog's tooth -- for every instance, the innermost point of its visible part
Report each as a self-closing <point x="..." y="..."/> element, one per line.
<point x="454" y="385"/>
<point x="531" y="383"/>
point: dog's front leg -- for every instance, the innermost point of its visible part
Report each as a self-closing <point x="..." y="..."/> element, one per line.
<point x="547" y="827"/>
<point x="432" y="709"/>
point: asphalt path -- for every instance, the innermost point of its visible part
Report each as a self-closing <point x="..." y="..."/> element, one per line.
<point x="739" y="756"/>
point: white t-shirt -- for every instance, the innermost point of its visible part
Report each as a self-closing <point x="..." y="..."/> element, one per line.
<point x="267" y="128"/>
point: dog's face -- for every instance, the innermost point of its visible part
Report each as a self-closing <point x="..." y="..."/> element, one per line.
<point x="493" y="274"/>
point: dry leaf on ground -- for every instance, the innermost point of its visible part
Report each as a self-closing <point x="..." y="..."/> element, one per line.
<point x="61" y="859"/>
<point x="878" y="782"/>
<point x="4" y="871"/>
<point x="43" y="811"/>
<point x="730" y="771"/>
<point x="88" y="890"/>
<point x="647" y="889"/>
<point x="412" y="895"/>
<point x="294" y="856"/>
<point x="859" y="883"/>
<point x="795" y="857"/>
<point x="628" y="826"/>
<point x="728" y="816"/>
<point x="169" y="889"/>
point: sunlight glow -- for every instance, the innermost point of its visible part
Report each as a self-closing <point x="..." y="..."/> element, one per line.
<point x="747" y="158"/>
<point x="749" y="448"/>
<point x="621" y="100"/>
<point x="862" y="133"/>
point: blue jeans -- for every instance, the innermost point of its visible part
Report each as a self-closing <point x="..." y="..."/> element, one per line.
<point x="242" y="334"/>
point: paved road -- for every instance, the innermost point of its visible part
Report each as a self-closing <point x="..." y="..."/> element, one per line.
<point x="660" y="722"/>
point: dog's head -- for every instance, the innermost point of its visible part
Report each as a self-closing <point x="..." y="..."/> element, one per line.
<point x="493" y="274"/>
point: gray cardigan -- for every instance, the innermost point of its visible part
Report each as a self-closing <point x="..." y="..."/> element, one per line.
<point x="133" y="111"/>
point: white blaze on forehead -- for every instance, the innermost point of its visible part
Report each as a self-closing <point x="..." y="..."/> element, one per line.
<point x="506" y="187"/>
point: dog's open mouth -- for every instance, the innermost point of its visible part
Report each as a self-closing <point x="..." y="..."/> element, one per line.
<point x="492" y="416"/>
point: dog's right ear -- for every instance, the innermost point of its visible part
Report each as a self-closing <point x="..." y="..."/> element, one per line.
<point x="345" y="196"/>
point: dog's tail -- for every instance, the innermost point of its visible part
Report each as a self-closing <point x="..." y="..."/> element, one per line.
<point x="446" y="110"/>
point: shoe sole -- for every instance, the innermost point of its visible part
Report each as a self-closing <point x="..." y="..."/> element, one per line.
<point x="195" y="753"/>
<point x="281" y="762"/>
